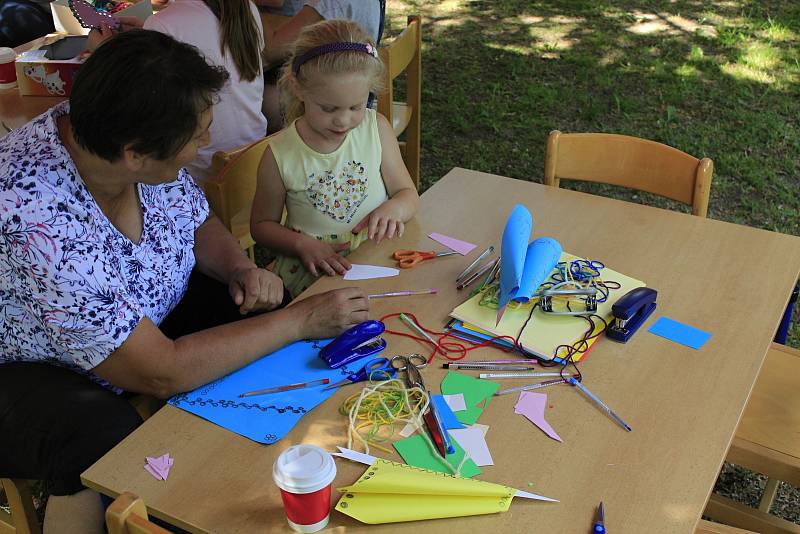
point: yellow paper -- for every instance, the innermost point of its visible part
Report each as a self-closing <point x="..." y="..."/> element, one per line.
<point x="389" y="492"/>
<point x="544" y="332"/>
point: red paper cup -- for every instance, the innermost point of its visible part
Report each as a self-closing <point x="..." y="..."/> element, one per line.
<point x="8" y="68"/>
<point x="304" y="474"/>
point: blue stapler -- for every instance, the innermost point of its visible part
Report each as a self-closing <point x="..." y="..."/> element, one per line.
<point x="362" y="340"/>
<point x="630" y="312"/>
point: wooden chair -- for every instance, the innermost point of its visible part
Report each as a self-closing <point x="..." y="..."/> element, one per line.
<point x="22" y="519"/>
<point x="232" y="186"/>
<point x="767" y="440"/>
<point x="404" y="54"/>
<point x="128" y="515"/>
<point x="629" y="162"/>
<point x="707" y="527"/>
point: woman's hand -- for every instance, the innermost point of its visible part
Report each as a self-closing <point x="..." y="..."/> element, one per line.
<point x="384" y="222"/>
<point x="99" y="36"/>
<point x="321" y="258"/>
<point x="254" y="289"/>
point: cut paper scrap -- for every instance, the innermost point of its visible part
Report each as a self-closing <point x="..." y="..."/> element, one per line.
<point x="524" y="266"/>
<point x="267" y="418"/>
<point x="484" y="428"/>
<point x="159" y="466"/>
<point x="532" y="405"/>
<point x="366" y="272"/>
<point x="679" y="332"/>
<point x="408" y="430"/>
<point x="473" y="440"/>
<point x="368" y="459"/>
<point x="456" y="402"/>
<point x="448" y="418"/>
<point x="417" y="452"/>
<point x="476" y="393"/>
<point x="462" y="247"/>
<point x="389" y="492"/>
<point x="544" y="332"/>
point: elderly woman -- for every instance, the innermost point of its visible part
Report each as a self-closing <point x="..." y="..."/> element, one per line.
<point x="114" y="276"/>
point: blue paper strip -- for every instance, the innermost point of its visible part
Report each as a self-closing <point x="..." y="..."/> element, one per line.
<point x="540" y="260"/>
<point x="679" y="332"/>
<point x="267" y="418"/>
<point x="516" y="235"/>
<point x="449" y="420"/>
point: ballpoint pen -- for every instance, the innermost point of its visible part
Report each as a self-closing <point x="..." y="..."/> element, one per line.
<point x="287" y="387"/>
<point x="599" y="520"/>
<point x="600" y="403"/>
<point x="415" y="327"/>
<point x="469" y="268"/>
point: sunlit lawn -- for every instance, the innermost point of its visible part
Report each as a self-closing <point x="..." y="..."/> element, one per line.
<point x="714" y="79"/>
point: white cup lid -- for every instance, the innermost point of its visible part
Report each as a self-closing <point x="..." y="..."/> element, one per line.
<point x="303" y="469"/>
<point x="7" y="55"/>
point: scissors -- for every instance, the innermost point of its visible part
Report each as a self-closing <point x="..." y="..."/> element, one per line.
<point x="410" y="258"/>
<point x="377" y="369"/>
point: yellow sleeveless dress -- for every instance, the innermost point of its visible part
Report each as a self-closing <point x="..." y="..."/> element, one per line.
<point x="328" y="194"/>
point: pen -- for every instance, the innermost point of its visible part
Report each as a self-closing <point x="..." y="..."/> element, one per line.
<point x="446" y="445"/>
<point x="601" y="404"/>
<point x="492" y="273"/>
<point x="471" y="278"/>
<point x="430" y="291"/>
<point x="287" y="387"/>
<point x="413" y="326"/>
<point x="485" y="253"/>
<point x="517" y="375"/>
<point x="469" y="364"/>
<point x="531" y="386"/>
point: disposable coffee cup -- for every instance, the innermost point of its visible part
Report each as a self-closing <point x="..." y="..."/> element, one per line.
<point x="8" y="68"/>
<point x="304" y="474"/>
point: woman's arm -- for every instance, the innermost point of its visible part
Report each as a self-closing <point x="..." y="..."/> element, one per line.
<point x="266" y="228"/>
<point x="149" y="362"/>
<point x="387" y="220"/>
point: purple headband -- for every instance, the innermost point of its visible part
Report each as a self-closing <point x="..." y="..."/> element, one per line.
<point x="329" y="49"/>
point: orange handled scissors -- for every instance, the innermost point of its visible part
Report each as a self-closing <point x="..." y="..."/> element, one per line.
<point x="409" y="258"/>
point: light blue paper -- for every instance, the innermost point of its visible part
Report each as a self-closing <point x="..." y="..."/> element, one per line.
<point x="267" y="418"/>
<point x="446" y="414"/>
<point x="679" y="332"/>
<point x="516" y="235"/>
<point x="540" y="260"/>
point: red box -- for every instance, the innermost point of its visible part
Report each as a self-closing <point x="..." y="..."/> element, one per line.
<point x="49" y="69"/>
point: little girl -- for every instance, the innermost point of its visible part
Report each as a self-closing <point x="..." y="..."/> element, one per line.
<point x="337" y="167"/>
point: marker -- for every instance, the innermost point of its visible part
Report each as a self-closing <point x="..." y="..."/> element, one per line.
<point x="431" y="291"/>
<point x="413" y="326"/>
<point x="600" y="520"/>
<point x="517" y="375"/>
<point x="600" y="403"/>
<point x="287" y="387"/>
<point x="485" y="253"/>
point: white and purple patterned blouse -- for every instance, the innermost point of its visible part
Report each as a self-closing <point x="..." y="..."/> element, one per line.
<point x="72" y="287"/>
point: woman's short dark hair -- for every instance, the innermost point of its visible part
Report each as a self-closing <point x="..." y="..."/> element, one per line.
<point x="143" y="90"/>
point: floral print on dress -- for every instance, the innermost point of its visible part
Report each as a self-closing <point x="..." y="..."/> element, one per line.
<point x="72" y="287"/>
<point x="338" y="194"/>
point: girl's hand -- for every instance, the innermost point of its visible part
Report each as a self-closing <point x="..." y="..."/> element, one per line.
<point x="318" y="257"/>
<point x="384" y="223"/>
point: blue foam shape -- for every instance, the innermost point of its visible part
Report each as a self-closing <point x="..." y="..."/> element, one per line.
<point x="540" y="260"/>
<point x="448" y="418"/>
<point x="679" y="332"/>
<point x="514" y="246"/>
<point x="267" y="418"/>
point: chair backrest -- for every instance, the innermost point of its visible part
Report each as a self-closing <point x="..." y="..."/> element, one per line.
<point x="707" y="527"/>
<point x="404" y="54"/>
<point x="22" y="519"/>
<point x="128" y="515"/>
<point x="630" y="162"/>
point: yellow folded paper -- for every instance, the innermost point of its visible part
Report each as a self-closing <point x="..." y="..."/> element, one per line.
<point x="544" y="332"/>
<point x="389" y="492"/>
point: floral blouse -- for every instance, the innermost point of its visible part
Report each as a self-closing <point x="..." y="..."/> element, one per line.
<point x="72" y="287"/>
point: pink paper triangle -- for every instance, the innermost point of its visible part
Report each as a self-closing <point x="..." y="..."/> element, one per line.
<point x="531" y="405"/>
<point x="462" y="247"/>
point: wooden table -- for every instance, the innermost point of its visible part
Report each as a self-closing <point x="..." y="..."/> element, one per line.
<point x="683" y="405"/>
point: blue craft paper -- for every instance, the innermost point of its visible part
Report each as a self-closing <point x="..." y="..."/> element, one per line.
<point x="267" y="418"/>
<point x="514" y="246"/>
<point x="447" y="416"/>
<point x="540" y="260"/>
<point x="679" y="332"/>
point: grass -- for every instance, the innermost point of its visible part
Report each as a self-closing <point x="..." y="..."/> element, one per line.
<point x="717" y="79"/>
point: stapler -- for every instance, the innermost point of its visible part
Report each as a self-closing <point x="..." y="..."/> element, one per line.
<point x="362" y="340"/>
<point x="630" y="312"/>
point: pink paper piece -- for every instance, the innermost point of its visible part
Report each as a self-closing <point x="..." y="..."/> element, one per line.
<point x="462" y="247"/>
<point x="159" y="467"/>
<point x="531" y="405"/>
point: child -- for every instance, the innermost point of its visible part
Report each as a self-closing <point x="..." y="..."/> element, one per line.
<point x="230" y="35"/>
<point x="337" y="167"/>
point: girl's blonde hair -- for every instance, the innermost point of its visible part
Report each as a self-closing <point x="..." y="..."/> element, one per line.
<point x="240" y="35"/>
<point x="342" y="62"/>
